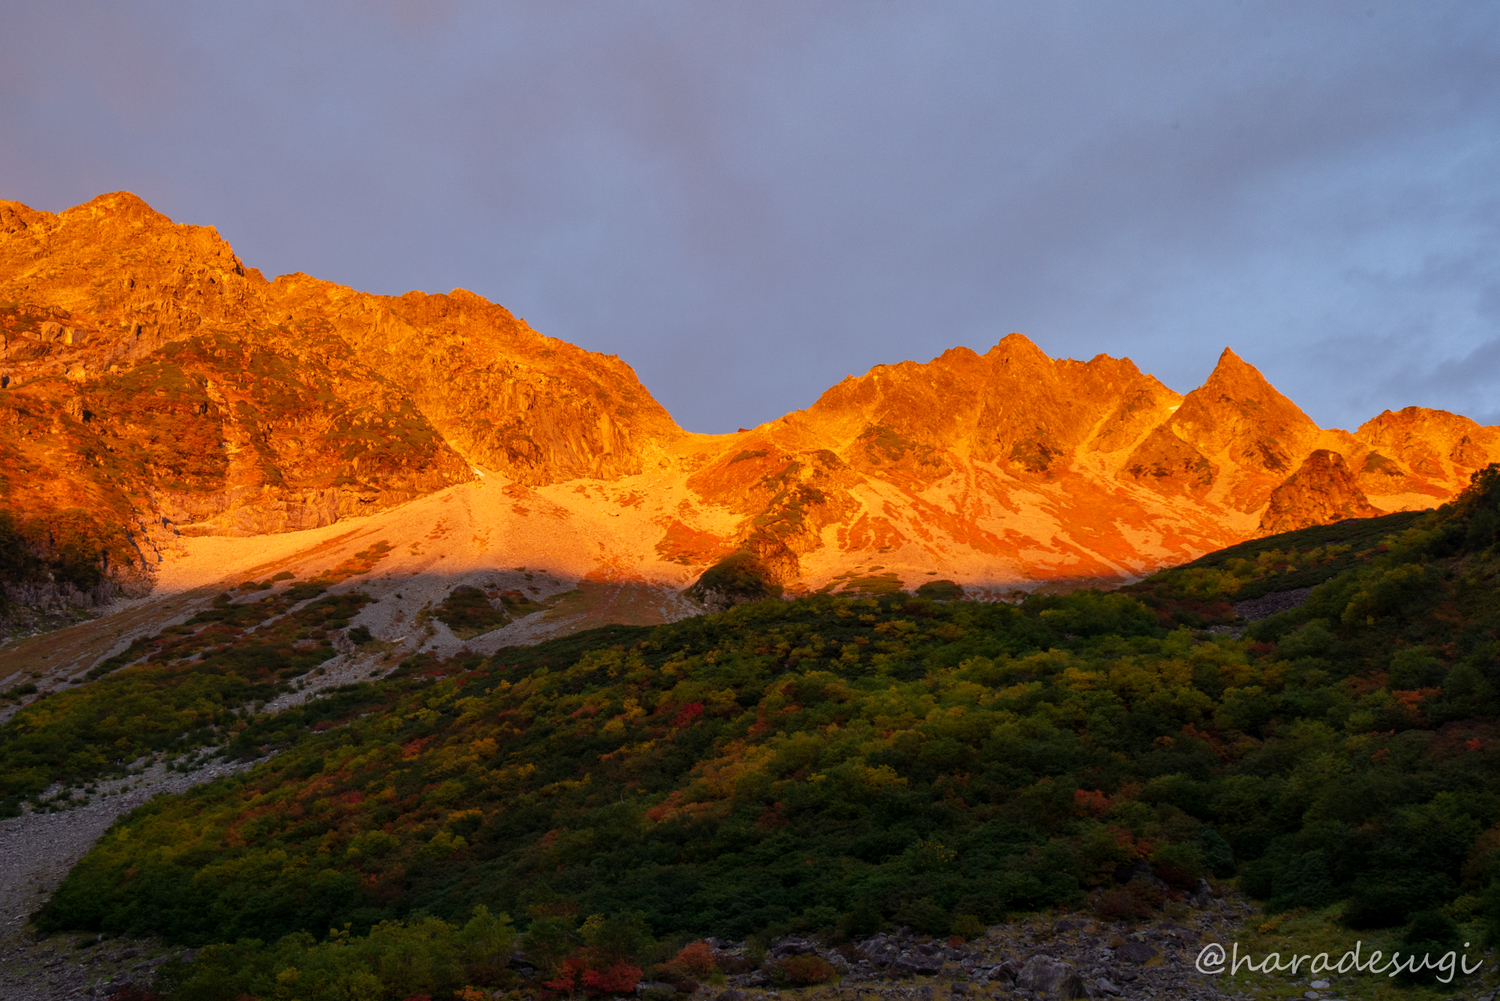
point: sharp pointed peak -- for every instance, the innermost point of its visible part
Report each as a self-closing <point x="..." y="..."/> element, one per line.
<point x="1228" y="359"/>
<point x="1231" y="368"/>
<point x="1233" y="378"/>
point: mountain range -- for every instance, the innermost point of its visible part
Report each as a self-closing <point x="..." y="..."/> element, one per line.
<point x="171" y="422"/>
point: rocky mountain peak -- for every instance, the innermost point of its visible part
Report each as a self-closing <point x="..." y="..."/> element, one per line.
<point x="1018" y="354"/>
<point x="118" y="207"/>
<point x="1236" y="399"/>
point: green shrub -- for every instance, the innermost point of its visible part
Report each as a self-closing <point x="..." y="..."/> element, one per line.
<point x="966" y="926"/>
<point x="738" y="577"/>
<point x="395" y="960"/>
<point x="467" y="611"/>
<point x="940" y="590"/>
<point x="1429" y="938"/>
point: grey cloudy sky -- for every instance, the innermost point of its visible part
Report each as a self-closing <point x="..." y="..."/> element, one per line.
<point x="749" y="200"/>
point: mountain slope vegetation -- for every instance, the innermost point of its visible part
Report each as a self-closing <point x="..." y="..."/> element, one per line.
<point x="832" y="764"/>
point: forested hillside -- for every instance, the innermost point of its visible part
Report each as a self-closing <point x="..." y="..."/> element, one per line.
<point x="833" y="765"/>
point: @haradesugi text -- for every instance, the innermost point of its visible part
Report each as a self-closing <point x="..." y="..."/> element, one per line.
<point x="1214" y="960"/>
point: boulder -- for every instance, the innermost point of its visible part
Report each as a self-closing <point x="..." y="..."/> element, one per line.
<point x="1005" y="972"/>
<point x="793" y="947"/>
<point x="1136" y="952"/>
<point x="881" y="949"/>
<point x="917" y="965"/>
<point x="1052" y="976"/>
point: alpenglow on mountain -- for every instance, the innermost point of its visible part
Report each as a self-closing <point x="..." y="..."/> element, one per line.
<point x="170" y="419"/>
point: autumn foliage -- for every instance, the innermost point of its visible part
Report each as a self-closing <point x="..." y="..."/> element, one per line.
<point x="837" y="763"/>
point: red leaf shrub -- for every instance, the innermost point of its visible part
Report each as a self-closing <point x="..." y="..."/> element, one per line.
<point x="620" y="978"/>
<point x="569" y="976"/>
<point x="574" y="974"/>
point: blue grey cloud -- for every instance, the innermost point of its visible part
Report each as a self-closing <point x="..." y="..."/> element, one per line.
<point x="748" y="201"/>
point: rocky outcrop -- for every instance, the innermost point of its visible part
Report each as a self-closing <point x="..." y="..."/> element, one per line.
<point x="738" y="579"/>
<point x="1045" y="955"/>
<point x="787" y="499"/>
<point x="1014" y="406"/>
<point x="1320" y="492"/>
<point x="1167" y="463"/>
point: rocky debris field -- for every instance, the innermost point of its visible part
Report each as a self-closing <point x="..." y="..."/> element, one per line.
<point x="1040" y="957"/>
<point x="36" y="851"/>
<point x="1269" y="604"/>
<point x="90" y="966"/>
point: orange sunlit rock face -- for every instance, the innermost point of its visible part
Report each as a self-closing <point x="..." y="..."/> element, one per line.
<point x="157" y="389"/>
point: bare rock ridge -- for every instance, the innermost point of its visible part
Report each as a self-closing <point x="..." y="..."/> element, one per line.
<point x="154" y="387"/>
<point x="531" y="407"/>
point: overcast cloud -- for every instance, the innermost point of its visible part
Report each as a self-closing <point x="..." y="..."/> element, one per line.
<point x="748" y="201"/>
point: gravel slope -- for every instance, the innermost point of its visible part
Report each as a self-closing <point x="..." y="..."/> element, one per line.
<point x="36" y="852"/>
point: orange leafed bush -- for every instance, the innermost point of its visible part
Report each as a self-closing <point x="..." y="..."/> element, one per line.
<point x="1092" y="802"/>
<point x="693" y="963"/>
<point x="697" y="958"/>
<point x="803" y="971"/>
